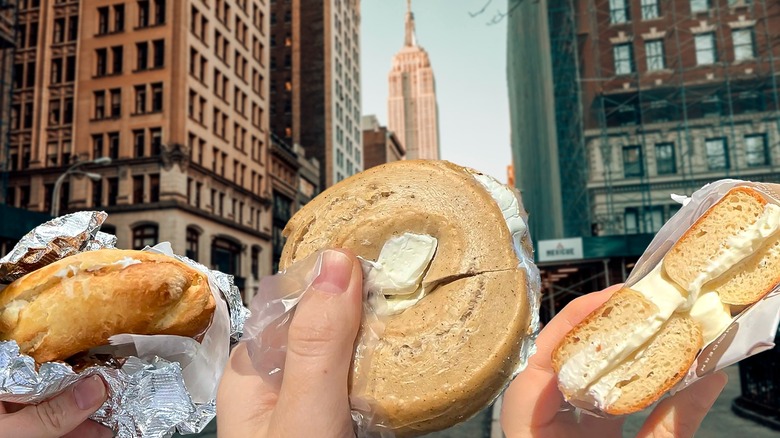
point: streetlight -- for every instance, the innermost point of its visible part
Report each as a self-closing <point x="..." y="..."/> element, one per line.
<point x="74" y="170"/>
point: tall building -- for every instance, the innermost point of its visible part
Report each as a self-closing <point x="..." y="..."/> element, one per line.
<point x="411" y="106"/>
<point x="627" y="102"/>
<point x="175" y="93"/>
<point x="315" y="82"/>
<point x="380" y="145"/>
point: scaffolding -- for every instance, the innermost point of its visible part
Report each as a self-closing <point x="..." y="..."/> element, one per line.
<point x="684" y="103"/>
<point x="8" y="26"/>
<point x="568" y="117"/>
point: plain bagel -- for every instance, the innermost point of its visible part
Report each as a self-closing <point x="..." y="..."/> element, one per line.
<point x="445" y="358"/>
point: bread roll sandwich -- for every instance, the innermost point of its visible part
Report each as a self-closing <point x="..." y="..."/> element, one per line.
<point x="78" y="302"/>
<point x="456" y="343"/>
<point x="629" y="352"/>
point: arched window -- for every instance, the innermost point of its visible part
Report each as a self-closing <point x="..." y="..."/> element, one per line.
<point x="145" y="235"/>
<point x="193" y="238"/>
<point x="226" y="256"/>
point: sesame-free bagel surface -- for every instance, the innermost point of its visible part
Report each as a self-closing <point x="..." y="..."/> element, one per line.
<point x="449" y="355"/>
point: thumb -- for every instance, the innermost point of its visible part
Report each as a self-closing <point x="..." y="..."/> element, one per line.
<point x="320" y="349"/>
<point x="61" y="414"/>
<point x="681" y="415"/>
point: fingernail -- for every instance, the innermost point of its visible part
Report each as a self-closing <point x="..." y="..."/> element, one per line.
<point x="335" y="273"/>
<point x="89" y="393"/>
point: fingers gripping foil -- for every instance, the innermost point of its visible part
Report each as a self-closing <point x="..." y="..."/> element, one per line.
<point x="150" y="397"/>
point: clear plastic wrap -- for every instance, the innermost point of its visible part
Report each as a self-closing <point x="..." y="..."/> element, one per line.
<point x="272" y="310"/>
<point x="164" y="383"/>
<point x="753" y="329"/>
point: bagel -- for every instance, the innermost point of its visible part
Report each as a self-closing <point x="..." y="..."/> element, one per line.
<point x="630" y="351"/>
<point x="449" y="355"/>
<point x="79" y="302"/>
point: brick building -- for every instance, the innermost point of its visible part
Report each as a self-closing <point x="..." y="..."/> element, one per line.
<point x="176" y="94"/>
<point x="380" y="145"/>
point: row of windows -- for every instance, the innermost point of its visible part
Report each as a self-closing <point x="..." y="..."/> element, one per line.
<point x="143" y="102"/>
<point x="146" y="142"/>
<point x="716" y="150"/>
<point x="620" y="10"/>
<point x="110" y="61"/>
<point x="705" y="45"/>
<point x="111" y="19"/>
<point x="647" y="219"/>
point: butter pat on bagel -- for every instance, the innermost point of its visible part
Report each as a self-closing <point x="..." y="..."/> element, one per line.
<point x="78" y="302"/>
<point x="454" y="343"/>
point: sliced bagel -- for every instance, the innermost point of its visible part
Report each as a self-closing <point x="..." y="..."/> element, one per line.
<point x="733" y="250"/>
<point x="443" y="359"/>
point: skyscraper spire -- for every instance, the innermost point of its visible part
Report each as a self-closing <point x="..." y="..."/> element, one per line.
<point x="410" y="40"/>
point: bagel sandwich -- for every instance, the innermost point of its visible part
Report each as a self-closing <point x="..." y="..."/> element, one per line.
<point x="77" y="303"/>
<point x="639" y="344"/>
<point x="446" y="353"/>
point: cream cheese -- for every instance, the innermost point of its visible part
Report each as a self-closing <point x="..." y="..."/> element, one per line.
<point x="393" y="281"/>
<point x="738" y="248"/>
<point x="507" y="202"/>
<point x="71" y="270"/>
<point x="712" y="315"/>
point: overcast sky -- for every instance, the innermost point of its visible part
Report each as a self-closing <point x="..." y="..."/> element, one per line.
<point x="469" y="64"/>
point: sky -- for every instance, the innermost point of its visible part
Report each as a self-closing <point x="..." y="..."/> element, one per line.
<point x="468" y="57"/>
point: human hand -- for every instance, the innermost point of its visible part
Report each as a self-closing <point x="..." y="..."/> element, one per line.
<point x="313" y="399"/>
<point x="532" y="403"/>
<point x="65" y="415"/>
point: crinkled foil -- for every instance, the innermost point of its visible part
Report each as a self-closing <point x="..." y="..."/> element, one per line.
<point x="47" y="243"/>
<point x="146" y="398"/>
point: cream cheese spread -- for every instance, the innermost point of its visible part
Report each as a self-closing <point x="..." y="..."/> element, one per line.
<point x="712" y="315"/>
<point x="507" y="202"/>
<point x="393" y="281"/>
<point x="71" y="270"/>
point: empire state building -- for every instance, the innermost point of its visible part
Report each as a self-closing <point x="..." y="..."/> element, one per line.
<point x="412" y="110"/>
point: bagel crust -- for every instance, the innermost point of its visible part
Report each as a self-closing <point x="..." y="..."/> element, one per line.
<point x="448" y="356"/>
<point x="78" y="302"/>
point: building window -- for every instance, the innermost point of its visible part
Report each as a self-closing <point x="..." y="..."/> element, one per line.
<point x="619" y="12"/>
<point x="158" y="52"/>
<point x="226" y="256"/>
<point x="624" y="63"/>
<point x="139" y="142"/>
<point x="113" y="145"/>
<point x="97" y="194"/>
<point x="159" y="12"/>
<point x="117" y="53"/>
<point x="97" y="146"/>
<point x="256" y="262"/>
<point x="143" y="13"/>
<point x="59" y="31"/>
<point x="665" y="159"/>
<point x="156" y="135"/>
<point x="700" y="5"/>
<point x="157" y="97"/>
<point x="138" y="189"/>
<point x="743" y="44"/>
<point x="755" y="150"/>
<point x="119" y="17"/>
<point x="140" y="99"/>
<point x="142" y="60"/>
<point x="654" y="53"/>
<point x="100" y="104"/>
<point x="116" y="103"/>
<point x="650" y="9"/>
<point x="193" y="236"/>
<point x="145" y="235"/>
<point x="632" y="161"/>
<point x="102" y="21"/>
<point x="705" y="48"/>
<point x="154" y="188"/>
<point x="717" y="153"/>
<point x="101" y="62"/>
<point x="113" y="190"/>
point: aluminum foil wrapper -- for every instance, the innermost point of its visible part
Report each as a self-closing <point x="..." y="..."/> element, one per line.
<point x="53" y="240"/>
<point x="168" y="384"/>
